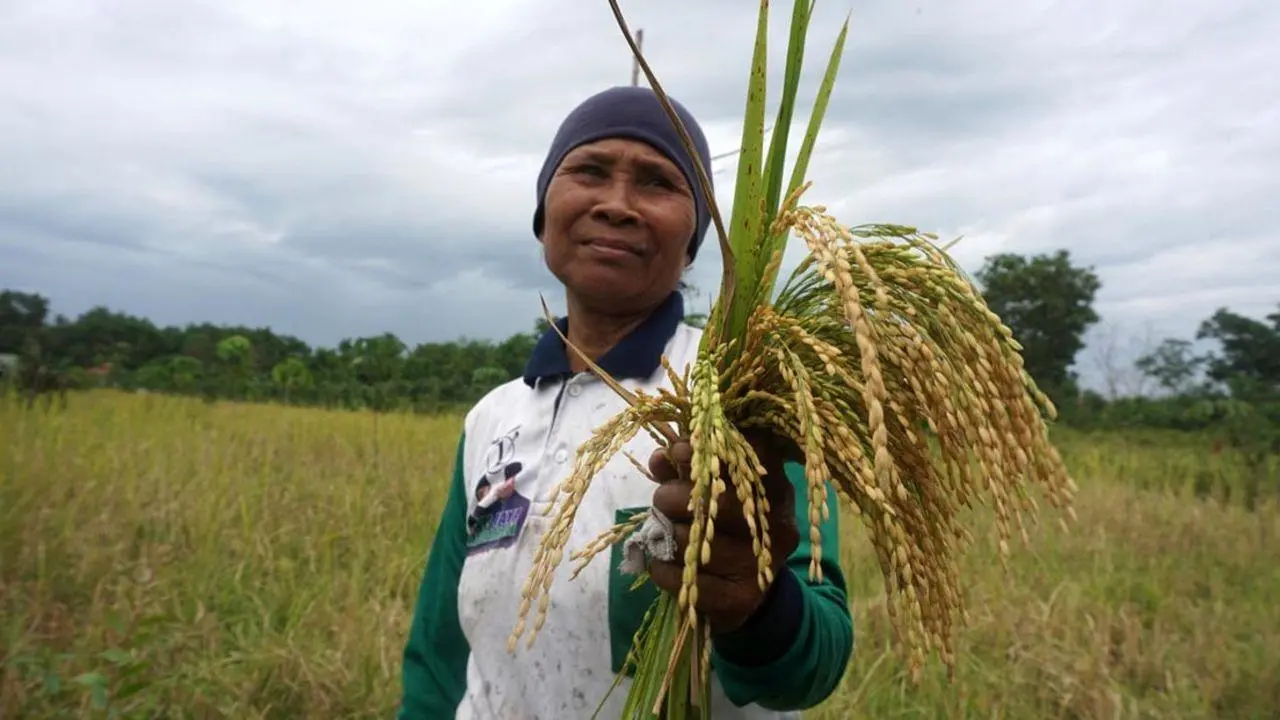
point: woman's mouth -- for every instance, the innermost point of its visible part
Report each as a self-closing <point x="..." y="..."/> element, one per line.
<point x="612" y="248"/>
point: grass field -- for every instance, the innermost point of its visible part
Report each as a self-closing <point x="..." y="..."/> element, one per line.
<point x="163" y="557"/>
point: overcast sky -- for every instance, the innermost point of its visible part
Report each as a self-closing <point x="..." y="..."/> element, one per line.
<point x="336" y="169"/>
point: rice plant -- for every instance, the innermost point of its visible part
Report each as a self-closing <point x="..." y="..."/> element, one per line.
<point x="876" y="360"/>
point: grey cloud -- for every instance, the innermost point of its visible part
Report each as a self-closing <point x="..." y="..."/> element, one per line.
<point x="339" y="172"/>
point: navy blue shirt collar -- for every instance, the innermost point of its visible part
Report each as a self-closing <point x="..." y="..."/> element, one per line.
<point x="635" y="357"/>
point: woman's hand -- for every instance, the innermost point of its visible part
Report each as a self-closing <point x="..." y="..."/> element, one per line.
<point x="728" y="588"/>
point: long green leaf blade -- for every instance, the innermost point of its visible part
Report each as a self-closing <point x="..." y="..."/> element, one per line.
<point x="801" y="13"/>
<point x="786" y="106"/>
<point x="819" y="110"/>
<point x="747" y="226"/>
<point x="777" y="243"/>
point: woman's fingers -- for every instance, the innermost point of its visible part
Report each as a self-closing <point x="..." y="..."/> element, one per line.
<point x="672" y="499"/>
<point x="730" y="527"/>
<point x="667" y="465"/>
<point x="726" y="584"/>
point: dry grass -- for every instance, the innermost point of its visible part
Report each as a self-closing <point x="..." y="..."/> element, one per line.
<point x="253" y="561"/>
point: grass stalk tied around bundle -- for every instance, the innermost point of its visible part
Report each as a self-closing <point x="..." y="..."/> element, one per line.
<point x="877" y="357"/>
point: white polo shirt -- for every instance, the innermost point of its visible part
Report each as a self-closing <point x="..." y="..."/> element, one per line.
<point x="519" y="441"/>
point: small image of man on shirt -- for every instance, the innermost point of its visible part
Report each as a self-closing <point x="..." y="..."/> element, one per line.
<point x="490" y="496"/>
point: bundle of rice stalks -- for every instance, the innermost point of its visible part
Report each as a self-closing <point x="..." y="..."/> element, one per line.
<point x="876" y="358"/>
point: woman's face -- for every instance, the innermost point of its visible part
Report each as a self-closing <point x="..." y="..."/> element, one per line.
<point x="618" y="220"/>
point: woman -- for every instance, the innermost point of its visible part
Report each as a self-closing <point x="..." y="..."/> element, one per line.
<point x="620" y="214"/>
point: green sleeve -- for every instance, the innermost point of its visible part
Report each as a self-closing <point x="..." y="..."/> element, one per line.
<point x="435" y="658"/>
<point x="793" y="654"/>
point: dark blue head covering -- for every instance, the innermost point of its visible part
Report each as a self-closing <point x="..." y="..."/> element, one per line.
<point x="635" y="113"/>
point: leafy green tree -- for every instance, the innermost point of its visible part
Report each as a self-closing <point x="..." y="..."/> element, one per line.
<point x="184" y="373"/>
<point x="378" y="363"/>
<point x="1249" y="349"/>
<point x="484" y="379"/>
<point x="1172" y="365"/>
<point x="1048" y="304"/>
<point x="236" y="355"/>
<point x="20" y="315"/>
<point x="291" y="374"/>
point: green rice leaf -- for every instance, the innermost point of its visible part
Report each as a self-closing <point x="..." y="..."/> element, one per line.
<point x="747" y="222"/>
<point x="777" y="243"/>
<point x="819" y="110"/>
<point x="786" y="106"/>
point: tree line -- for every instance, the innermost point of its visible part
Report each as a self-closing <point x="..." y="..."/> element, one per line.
<point x="106" y="348"/>
<point x="1047" y="300"/>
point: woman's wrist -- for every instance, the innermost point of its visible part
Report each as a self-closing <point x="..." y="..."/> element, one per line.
<point x="768" y="633"/>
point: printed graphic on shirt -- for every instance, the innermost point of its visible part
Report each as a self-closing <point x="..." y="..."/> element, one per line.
<point x="500" y="511"/>
<point x="501" y="451"/>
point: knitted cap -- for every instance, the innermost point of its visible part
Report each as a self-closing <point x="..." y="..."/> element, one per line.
<point x="637" y="114"/>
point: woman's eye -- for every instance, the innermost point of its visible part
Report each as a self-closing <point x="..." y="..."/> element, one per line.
<point x="593" y="170"/>
<point x="661" y="181"/>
